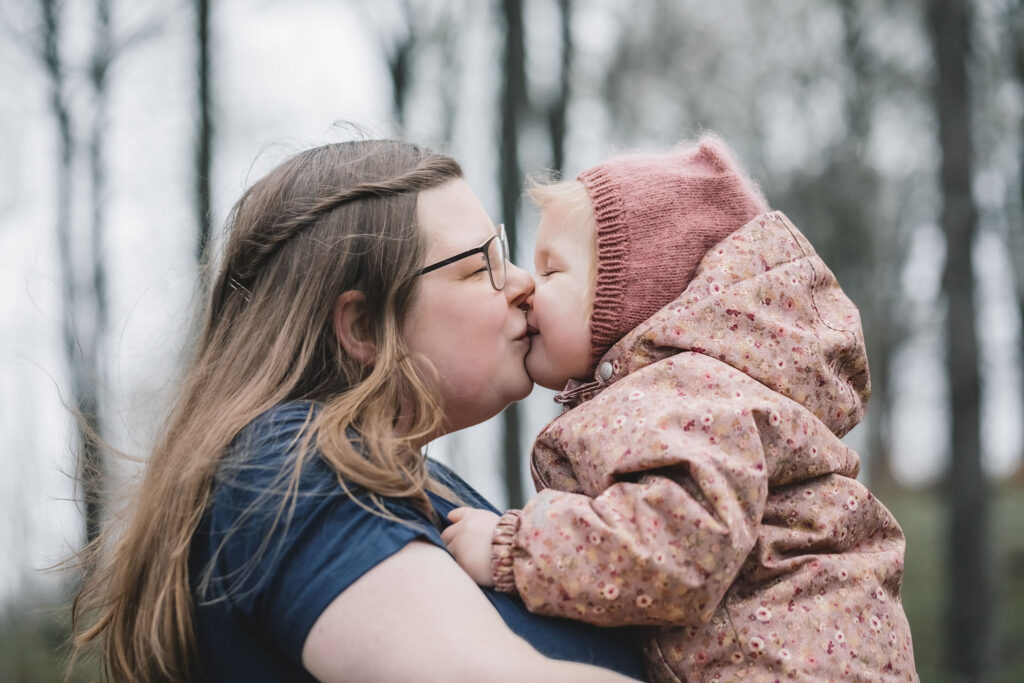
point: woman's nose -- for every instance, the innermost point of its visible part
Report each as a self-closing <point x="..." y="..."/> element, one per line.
<point x="518" y="285"/>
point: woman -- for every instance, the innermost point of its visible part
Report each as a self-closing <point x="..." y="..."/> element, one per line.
<point x="288" y="526"/>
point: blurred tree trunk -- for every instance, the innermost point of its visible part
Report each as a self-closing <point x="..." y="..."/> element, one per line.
<point x="968" y="647"/>
<point x="54" y="67"/>
<point x="448" y="37"/>
<point x="399" y="58"/>
<point x="103" y="53"/>
<point x="92" y="370"/>
<point x="204" y="136"/>
<point x="1015" y="238"/>
<point x="513" y="102"/>
<point x="80" y="343"/>
<point x="558" y="112"/>
<point x="882" y="257"/>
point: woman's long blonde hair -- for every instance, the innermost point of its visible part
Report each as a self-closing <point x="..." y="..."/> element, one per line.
<point x="335" y="218"/>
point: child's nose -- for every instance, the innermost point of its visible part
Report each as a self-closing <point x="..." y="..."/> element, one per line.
<point x="518" y="286"/>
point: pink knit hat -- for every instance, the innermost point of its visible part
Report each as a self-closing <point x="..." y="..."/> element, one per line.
<point x="657" y="215"/>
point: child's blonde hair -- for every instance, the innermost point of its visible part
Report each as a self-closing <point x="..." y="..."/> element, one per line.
<point x="547" y="191"/>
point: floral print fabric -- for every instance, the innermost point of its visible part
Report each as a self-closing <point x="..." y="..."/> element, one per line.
<point x="703" y="488"/>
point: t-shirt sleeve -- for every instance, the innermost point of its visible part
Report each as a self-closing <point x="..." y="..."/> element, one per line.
<point x="279" y="566"/>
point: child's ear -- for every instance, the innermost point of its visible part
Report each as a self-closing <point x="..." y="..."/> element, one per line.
<point x="350" y="326"/>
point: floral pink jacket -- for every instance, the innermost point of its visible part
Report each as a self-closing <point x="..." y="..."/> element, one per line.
<point x="700" y="485"/>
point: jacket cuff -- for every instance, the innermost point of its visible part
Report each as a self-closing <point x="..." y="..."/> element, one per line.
<point x="501" y="551"/>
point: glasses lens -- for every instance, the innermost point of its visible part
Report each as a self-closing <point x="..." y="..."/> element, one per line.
<point x="497" y="256"/>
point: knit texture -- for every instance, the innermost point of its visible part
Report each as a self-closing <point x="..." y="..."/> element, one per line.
<point x="657" y="216"/>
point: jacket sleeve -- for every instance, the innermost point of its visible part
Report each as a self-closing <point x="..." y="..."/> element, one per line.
<point x="672" y="469"/>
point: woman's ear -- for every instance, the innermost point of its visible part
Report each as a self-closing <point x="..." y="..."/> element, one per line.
<point x="350" y="326"/>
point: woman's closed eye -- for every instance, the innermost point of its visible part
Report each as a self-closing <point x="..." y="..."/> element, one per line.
<point x="472" y="267"/>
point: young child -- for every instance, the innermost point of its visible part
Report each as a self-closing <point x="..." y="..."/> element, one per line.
<point x="697" y="481"/>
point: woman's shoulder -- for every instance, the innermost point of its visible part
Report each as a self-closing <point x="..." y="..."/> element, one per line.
<point x="275" y="458"/>
<point x="283" y="422"/>
<point x="277" y="452"/>
<point x="274" y="483"/>
<point x="282" y="537"/>
<point x="260" y="453"/>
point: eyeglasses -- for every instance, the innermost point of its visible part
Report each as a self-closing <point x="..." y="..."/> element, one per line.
<point x="495" y="254"/>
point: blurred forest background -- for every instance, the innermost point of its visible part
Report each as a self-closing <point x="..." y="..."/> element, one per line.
<point x="891" y="131"/>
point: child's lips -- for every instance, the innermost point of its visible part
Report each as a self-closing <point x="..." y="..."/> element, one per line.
<point x="531" y="330"/>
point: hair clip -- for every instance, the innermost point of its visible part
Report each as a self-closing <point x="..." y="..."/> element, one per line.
<point x="240" y="288"/>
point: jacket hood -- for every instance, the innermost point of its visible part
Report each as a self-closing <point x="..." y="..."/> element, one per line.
<point x="765" y="303"/>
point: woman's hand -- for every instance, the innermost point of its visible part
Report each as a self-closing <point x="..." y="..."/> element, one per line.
<point x="469" y="541"/>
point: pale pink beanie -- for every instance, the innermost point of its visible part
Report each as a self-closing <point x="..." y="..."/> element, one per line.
<point x="657" y="215"/>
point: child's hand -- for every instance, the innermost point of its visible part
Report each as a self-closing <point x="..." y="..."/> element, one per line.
<point x="469" y="541"/>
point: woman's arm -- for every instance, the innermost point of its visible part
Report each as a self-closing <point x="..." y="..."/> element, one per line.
<point x="417" y="616"/>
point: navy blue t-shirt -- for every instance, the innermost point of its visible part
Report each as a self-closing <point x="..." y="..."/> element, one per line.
<point x="263" y="596"/>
